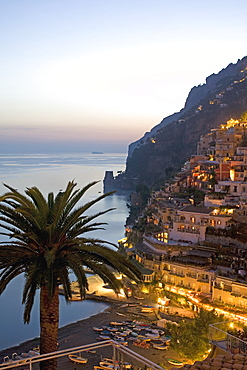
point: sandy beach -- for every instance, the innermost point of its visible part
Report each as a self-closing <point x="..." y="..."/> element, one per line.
<point x="81" y="333"/>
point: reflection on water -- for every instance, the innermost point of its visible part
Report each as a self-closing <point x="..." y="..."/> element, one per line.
<point x="52" y="173"/>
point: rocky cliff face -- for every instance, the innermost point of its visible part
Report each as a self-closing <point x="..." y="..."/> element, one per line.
<point x="196" y="94"/>
<point x="161" y="152"/>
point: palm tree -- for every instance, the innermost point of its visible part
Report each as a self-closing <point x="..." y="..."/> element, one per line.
<point x="48" y="242"/>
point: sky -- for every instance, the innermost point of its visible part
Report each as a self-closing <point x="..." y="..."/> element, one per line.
<point x="86" y="75"/>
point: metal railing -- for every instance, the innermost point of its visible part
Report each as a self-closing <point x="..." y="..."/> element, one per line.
<point x="220" y="336"/>
<point x="119" y="353"/>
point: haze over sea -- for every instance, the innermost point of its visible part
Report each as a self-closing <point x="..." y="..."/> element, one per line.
<point x="51" y="172"/>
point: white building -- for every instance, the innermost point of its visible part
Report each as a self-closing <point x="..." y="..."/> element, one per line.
<point x="191" y="222"/>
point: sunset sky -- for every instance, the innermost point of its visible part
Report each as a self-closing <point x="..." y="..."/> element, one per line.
<point x="89" y="75"/>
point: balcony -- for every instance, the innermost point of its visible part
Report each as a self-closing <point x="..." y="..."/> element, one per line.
<point x="235" y="294"/>
<point x="227" y="288"/>
<point x="94" y="352"/>
<point x="203" y="280"/>
<point x="174" y="273"/>
<point x="219" y="336"/>
<point x="203" y="222"/>
<point x="188" y="230"/>
<point x="193" y="276"/>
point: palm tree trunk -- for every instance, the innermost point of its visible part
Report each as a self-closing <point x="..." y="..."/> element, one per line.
<point x="49" y="317"/>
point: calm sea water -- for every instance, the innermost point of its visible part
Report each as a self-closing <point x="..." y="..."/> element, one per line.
<point x="52" y="173"/>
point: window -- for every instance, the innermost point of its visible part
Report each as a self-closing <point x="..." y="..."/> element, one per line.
<point x="218" y="222"/>
<point x="193" y="220"/>
<point x="235" y="189"/>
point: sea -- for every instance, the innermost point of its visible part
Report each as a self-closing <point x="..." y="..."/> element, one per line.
<point x="51" y="173"/>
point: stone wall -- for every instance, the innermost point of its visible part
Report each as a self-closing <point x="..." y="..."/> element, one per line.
<point x="223" y="240"/>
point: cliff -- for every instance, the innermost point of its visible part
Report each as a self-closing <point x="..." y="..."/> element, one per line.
<point x="160" y="152"/>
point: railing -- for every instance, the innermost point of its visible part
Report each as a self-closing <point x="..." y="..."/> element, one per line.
<point x="109" y="348"/>
<point x="220" y="337"/>
<point x="187" y="230"/>
<point x="174" y="273"/>
<point x="203" y="280"/>
<point x="193" y="276"/>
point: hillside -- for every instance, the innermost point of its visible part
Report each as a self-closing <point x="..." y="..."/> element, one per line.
<point x="161" y="152"/>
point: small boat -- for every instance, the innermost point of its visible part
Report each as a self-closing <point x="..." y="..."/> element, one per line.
<point x="166" y="339"/>
<point x="25" y="355"/>
<point x="15" y="357"/>
<point x="98" y="328"/>
<point x="134" y="334"/>
<point x="122" y="342"/>
<point x="105" y="332"/>
<point x="160" y="346"/>
<point x="157" y="342"/>
<point x="145" y="339"/>
<point x="7" y="359"/>
<point x="108" y="365"/>
<point x="152" y="335"/>
<point x="174" y="362"/>
<point x="148" y="308"/>
<point x="118" y="323"/>
<point x="78" y="359"/>
<point x="112" y="329"/>
<point x="103" y="337"/>
<point x="105" y="362"/>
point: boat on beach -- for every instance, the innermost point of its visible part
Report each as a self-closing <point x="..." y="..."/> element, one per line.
<point x="97" y="328"/>
<point x="7" y="359"/>
<point x="108" y="362"/>
<point x="160" y="346"/>
<point x="78" y="359"/>
<point x="175" y="362"/>
<point x="147" y="309"/>
<point x="116" y="323"/>
<point x="103" y="337"/>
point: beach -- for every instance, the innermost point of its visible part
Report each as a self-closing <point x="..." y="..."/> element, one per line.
<point x="81" y="333"/>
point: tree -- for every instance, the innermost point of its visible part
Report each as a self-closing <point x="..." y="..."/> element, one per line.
<point x="187" y="343"/>
<point x="190" y="338"/>
<point x="243" y="117"/>
<point x="144" y="192"/>
<point x="48" y="240"/>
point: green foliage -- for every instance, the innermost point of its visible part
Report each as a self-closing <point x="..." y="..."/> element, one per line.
<point x="197" y="194"/>
<point x="186" y="341"/>
<point x="144" y="192"/>
<point x="243" y="117"/>
<point x="48" y="238"/>
<point x="190" y="338"/>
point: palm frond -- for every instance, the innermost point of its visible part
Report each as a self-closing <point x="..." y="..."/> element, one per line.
<point x="49" y="240"/>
